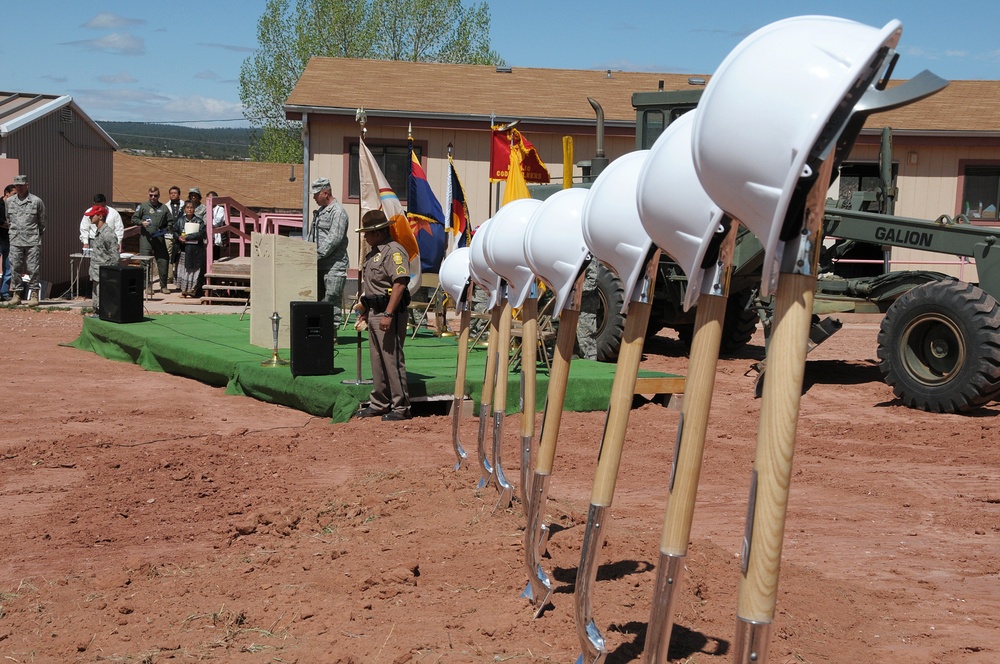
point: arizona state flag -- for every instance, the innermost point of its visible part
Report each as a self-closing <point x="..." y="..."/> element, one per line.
<point x="426" y="217"/>
<point x="504" y="142"/>
<point x="459" y="209"/>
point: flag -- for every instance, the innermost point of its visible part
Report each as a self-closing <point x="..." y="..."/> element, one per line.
<point x="426" y="217"/>
<point x="459" y="209"/>
<point x="532" y="166"/>
<point x="516" y="186"/>
<point x="376" y="194"/>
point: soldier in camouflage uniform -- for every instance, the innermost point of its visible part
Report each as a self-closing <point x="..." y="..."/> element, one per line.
<point x="26" y="216"/>
<point x="103" y="248"/>
<point x="329" y="232"/>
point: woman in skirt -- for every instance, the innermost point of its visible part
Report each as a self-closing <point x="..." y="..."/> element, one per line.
<point x="191" y="264"/>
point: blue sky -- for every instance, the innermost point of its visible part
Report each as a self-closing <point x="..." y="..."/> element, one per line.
<point x="179" y="61"/>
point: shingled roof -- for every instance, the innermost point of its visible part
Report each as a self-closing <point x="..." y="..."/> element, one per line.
<point x="559" y="96"/>
<point x="386" y="87"/>
<point x="257" y="185"/>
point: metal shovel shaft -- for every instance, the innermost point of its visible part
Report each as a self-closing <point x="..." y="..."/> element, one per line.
<point x="609" y="458"/>
<point x="529" y="344"/>
<point x="505" y="488"/>
<point x="539" y="582"/>
<point x="486" y="402"/>
<point x="683" y="484"/>
<point x="456" y="408"/>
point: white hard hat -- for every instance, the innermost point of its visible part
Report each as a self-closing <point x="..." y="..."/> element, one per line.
<point x="454" y="273"/>
<point x="504" y="247"/>
<point x="674" y="209"/>
<point x="611" y="226"/>
<point x="780" y="99"/>
<point x="481" y="272"/>
<point x="553" y="243"/>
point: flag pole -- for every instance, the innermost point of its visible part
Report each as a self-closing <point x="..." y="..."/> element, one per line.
<point x="449" y="214"/>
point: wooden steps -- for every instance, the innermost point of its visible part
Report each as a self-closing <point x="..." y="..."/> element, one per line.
<point x="227" y="283"/>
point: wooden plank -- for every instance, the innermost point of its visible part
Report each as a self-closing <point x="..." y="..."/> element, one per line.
<point x="659" y="385"/>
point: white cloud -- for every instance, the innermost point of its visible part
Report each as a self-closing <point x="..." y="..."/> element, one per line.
<point x="109" y="21"/>
<point x="207" y="75"/>
<point x="121" y="43"/>
<point x="122" y="77"/>
<point x="145" y="106"/>
<point x="228" y="47"/>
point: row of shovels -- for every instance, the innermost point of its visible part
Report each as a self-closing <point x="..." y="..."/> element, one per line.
<point x="762" y="148"/>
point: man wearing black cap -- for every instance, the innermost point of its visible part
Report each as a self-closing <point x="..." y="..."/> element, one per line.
<point x="103" y="247"/>
<point x="383" y="311"/>
<point x="26" y="216"/>
<point x="329" y="232"/>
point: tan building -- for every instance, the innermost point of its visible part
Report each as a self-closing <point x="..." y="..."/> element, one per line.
<point x="946" y="148"/>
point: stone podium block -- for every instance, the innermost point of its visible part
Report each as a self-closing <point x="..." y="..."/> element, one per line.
<point x="282" y="270"/>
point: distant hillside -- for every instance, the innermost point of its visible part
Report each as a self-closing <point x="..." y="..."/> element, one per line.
<point x="162" y="140"/>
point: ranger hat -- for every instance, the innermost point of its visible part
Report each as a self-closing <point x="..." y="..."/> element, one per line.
<point x="373" y="221"/>
<point x="20" y="179"/>
<point x="95" y="210"/>
<point x="319" y="184"/>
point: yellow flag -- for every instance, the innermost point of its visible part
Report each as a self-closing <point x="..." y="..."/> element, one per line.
<point x="516" y="186"/>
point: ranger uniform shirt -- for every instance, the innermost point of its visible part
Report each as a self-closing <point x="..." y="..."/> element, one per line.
<point x="384" y="264"/>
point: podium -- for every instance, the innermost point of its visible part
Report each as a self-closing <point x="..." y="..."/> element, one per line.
<point x="282" y="270"/>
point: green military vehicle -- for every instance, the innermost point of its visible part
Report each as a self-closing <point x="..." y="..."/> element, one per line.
<point x="939" y="342"/>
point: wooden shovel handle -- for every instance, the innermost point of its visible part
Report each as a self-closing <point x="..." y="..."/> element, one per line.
<point x="463" y="353"/>
<point x="779" y="414"/>
<point x="502" y="356"/>
<point x="490" y="375"/>
<point x="698" y="388"/>
<point x="622" y="392"/>
<point x="529" y="346"/>
<point x="556" y="395"/>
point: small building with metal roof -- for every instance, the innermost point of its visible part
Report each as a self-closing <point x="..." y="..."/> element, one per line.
<point x="67" y="157"/>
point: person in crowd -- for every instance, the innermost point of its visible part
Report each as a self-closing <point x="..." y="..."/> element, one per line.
<point x="5" y="245"/>
<point x="192" y="260"/>
<point x="175" y="209"/>
<point x="194" y="194"/>
<point x="26" y="217"/>
<point x="154" y="221"/>
<point x="329" y="232"/>
<point x="113" y="219"/>
<point x="383" y="311"/>
<point x="103" y="247"/>
<point x="218" y="220"/>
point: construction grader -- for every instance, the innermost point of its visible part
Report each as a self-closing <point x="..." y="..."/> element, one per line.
<point x="939" y="340"/>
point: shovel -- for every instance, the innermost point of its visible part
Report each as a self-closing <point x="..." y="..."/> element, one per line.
<point x="502" y="355"/>
<point x="529" y="346"/>
<point x="486" y="401"/>
<point x="779" y="414"/>
<point x="622" y="392"/>
<point x="539" y="587"/>
<point x="683" y="484"/>
<point x="463" y="359"/>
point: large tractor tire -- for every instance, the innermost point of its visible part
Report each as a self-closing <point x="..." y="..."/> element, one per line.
<point x="599" y="334"/>
<point x="939" y="347"/>
<point x="737" y="328"/>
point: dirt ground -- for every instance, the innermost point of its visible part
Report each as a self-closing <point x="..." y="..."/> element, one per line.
<point x="151" y="518"/>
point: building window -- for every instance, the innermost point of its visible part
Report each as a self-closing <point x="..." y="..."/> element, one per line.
<point x="392" y="158"/>
<point x="981" y="194"/>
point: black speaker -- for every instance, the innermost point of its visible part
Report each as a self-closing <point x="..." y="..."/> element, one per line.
<point x="121" y="293"/>
<point x="313" y="335"/>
